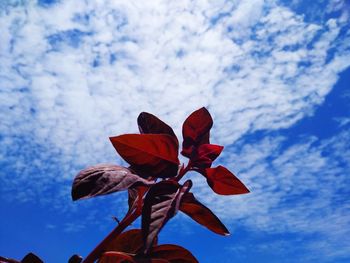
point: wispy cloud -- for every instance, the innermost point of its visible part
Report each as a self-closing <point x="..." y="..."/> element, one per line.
<point x="73" y="73"/>
<point x="301" y="189"/>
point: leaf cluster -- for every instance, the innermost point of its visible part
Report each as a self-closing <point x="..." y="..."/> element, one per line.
<point x="153" y="183"/>
<point x="155" y="191"/>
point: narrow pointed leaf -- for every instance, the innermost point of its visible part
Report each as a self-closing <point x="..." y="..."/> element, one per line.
<point x="202" y="215"/>
<point x="195" y="131"/>
<point x="149" y="154"/>
<point x="104" y="179"/>
<point x="173" y="253"/>
<point x="223" y="182"/>
<point x="161" y="203"/>
<point x="205" y="155"/>
<point x="148" y="123"/>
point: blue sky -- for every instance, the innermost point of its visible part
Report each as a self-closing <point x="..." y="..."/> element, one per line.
<point x="274" y="74"/>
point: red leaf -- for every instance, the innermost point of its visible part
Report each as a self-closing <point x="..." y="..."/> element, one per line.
<point x="173" y="253"/>
<point x="134" y="148"/>
<point x="205" y="155"/>
<point x="130" y="241"/>
<point x="223" y="182"/>
<point x="148" y="123"/>
<point x="202" y="215"/>
<point x="104" y="179"/>
<point x="195" y="131"/>
<point x="149" y="154"/>
<point x="116" y="257"/>
<point x="135" y="197"/>
<point x="161" y="203"/>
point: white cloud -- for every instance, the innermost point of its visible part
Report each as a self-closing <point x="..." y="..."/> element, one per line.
<point x="300" y="189"/>
<point x="76" y="72"/>
<point x="243" y="75"/>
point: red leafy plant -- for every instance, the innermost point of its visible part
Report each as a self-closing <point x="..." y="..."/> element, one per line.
<point x="155" y="192"/>
<point x="154" y="189"/>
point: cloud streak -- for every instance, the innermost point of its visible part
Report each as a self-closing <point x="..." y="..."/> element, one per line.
<point x="73" y="73"/>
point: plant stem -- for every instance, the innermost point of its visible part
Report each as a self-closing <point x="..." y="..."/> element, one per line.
<point x="129" y="218"/>
<point x="98" y="250"/>
<point x="183" y="171"/>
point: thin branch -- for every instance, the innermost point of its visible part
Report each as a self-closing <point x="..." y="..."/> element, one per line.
<point x="99" y="249"/>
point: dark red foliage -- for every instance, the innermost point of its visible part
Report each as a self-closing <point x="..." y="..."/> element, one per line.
<point x="223" y="182"/>
<point x="161" y="203"/>
<point x="195" y="131"/>
<point x="202" y="215"/>
<point x="130" y="241"/>
<point x="127" y="247"/>
<point x="150" y="155"/>
<point x="153" y="155"/>
<point x="205" y="154"/>
<point x="148" y="123"/>
<point x="173" y="254"/>
<point x="135" y="197"/>
<point x="116" y="257"/>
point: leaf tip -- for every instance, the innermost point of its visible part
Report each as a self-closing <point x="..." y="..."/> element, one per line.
<point x="73" y="194"/>
<point x="245" y="189"/>
<point x="74" y="198"/>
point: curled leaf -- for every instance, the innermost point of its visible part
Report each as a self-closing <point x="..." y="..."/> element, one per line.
<point x="195" y="131"/>
<point x="149" y="154"/>
<point x="148" y="123"/>
<point x="161" y="203"/>
<point x="104" y="179"/>
<point x="202" y="215"/>
<point x="223" y="182"/>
